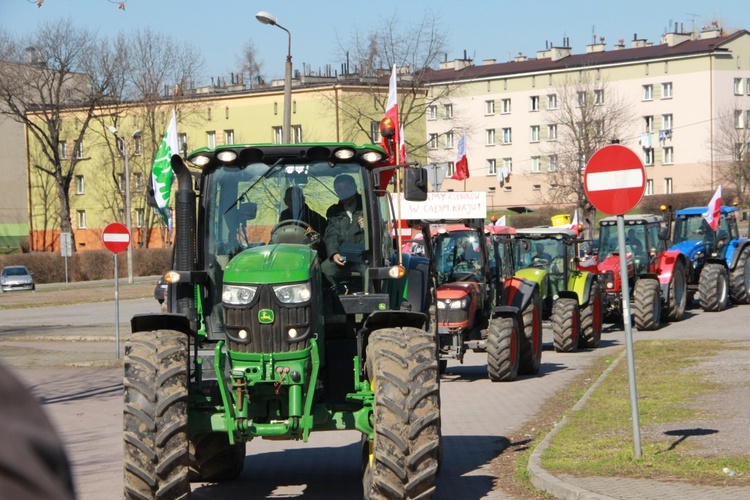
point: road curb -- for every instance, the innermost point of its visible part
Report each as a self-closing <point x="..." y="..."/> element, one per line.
<point x="543" y="480"/>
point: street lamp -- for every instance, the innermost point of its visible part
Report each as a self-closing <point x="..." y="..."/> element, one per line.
<point x="128" y="219"/>
<point x="268" y="18"/>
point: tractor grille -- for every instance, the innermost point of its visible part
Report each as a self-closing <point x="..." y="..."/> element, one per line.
<point x="452" y="316"/>
<point x="268" y="337"/>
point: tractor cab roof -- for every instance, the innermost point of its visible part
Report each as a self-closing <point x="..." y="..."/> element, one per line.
<point x="504" y="230"/>
<point x="634" y="219"/>
<point x="546" y="232"/>
<point x="693" y="211"/>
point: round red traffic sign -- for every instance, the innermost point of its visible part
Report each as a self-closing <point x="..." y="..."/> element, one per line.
<point x="614" y="179"/>
<point x="116" y="237"/>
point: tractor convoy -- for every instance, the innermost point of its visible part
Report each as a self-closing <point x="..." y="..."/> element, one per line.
<point x="293" y="309"/>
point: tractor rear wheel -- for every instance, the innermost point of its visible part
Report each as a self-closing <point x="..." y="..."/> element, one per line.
<point x="503" y="349"/>
<point x="677" y="293"/>
<point x="156" y="415"/>
<point x="402" y="458"/>
<point x="739" y="285"/>
<point x="592" y="319"/>
<point x="646" y="304"/>
<point x="713" y="288"/>
<point x="531" y="347"/>
<point x="566" y="324"/>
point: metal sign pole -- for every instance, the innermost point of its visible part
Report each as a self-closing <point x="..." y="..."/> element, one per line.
<point x="628" y="336"/>
<point x="117" y="311"/>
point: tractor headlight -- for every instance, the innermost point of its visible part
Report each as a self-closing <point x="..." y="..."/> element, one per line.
<point x="442" y="305"/>
<point x="293" y="294"/>
<point x="238" y="295"/>
<point x="458" y="304"/>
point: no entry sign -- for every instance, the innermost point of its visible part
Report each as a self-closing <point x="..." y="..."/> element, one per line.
<point x="116" y="237"/>
<point x="614" y="179"/>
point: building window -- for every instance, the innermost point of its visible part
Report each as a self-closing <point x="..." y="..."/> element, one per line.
<point x="507" y="136"/>
<point x="432" y="142"/>
<point x="278" y="135"/>
<point x="432" y="112"/>
<point x="649" y="186"/>
<point x="489" y="137"/>
<point x="62" y="149"/>
<point x="534" y="103"/>
<point x="536" y="164"/>
<point x="121" y="182"/>
<point x="275" y="108"/>
<point x="666" y="121"/>
<point x="507" y="188"/>
<point x="508" y="165"/>
<point x="138" y="217"/>
<point x="489" y="108"/>
<point x="739" y="118"/>
<point x="552" y="163"/>
<point x="229" y="137"/>
<point x="137" y="181"/>
<point x="79" y="151"/>
<point x="211" y="139"/>
<point x="451" y="169"/>
<point x="296" y="134"/>
<point x="648" y="156"/>
<point x="666" y="90"/>
<point x="552" y="101"/>
<point x="599" y="96"/>
<point x="667" y="185"/>
<point x="448" y="111"/>
<point x="747" y="86"/>
<point x="668" y="155"/>
<point x="505" y="106"/>
<point x="137" y="145"/>
<point x="534" y="133"/>
<point x="491" y="166"/>
<point x="738" y="86"/>
<point x="552" y="132"/>
<point x="536" y="187"/>
<point x="648" y="123"/>
<point x="648" y="92"/>
<point x="182" y="143"/>
<point x="375" y="132"/>
<point x="81" y="219"/>
<point x="739" y="151"/>
<point x="581" y="99"/>
<point x="448" y="139"/>
<point x="80" y="188"/>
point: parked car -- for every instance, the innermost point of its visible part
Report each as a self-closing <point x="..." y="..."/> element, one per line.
<point x="160" y="290"/>
<point x="16" y="278"/>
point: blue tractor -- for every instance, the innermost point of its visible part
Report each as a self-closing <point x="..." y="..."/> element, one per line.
<point x="719" y="268"/>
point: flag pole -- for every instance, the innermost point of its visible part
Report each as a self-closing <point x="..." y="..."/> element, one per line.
<point x="399" y="190"/>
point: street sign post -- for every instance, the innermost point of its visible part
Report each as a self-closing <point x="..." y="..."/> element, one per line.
<point x="615" y="180"/>
<point x="116" y="239"/>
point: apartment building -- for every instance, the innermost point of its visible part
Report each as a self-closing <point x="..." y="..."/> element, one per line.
<point x="684" y="96"/>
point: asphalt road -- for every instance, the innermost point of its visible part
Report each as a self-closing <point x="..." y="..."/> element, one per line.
<point x="85" y="403"/>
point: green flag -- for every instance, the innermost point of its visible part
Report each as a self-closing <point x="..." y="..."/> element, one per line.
<point x="161" y="172"/>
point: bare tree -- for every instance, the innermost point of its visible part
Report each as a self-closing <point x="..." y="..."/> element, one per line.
<point x="732" y="150"/>
<point x="43" y="75"/>
<point x="250" y="66"/>
<point x="415" y="50"/>
<point x="589" y="115"/>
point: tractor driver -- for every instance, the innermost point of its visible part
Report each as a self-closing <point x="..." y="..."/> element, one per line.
<point x="297" y="209"/>
<point x="345" y="233"/>
<point x="541" y="254"/>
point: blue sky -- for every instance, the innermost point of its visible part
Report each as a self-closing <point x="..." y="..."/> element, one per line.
<point x="492" y="29"/>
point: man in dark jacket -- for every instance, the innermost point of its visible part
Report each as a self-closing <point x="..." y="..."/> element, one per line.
<point x="297" y="209"/>
<point x="345" y="234"/>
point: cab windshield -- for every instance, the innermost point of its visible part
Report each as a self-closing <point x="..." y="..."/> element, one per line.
<point x="537" y="252"/>
<point x="458" y="256"/>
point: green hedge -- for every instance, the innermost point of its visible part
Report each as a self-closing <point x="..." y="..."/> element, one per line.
<point x="49" y="267"/>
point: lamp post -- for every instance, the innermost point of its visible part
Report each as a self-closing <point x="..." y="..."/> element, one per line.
<point x="268" y="18"/>
<point x="128" y="218"/>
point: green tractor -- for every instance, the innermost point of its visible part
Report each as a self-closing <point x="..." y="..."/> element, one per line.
<point x="261" y="341"/>
<point x="571" y="298"/>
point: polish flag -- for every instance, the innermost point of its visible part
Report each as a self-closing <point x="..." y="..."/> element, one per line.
<point x="401" y="145"/>
<point x="391" y="111"/>
<point x="462" y="164"/>
<point x="574" y="224"/>
<point x="713" y="212"/>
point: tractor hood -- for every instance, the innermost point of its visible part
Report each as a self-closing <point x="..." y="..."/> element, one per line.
<point x="457" y="290"/>
<point x="689" y="248"/>
<point x="533" y="274"/>
<point x="612" y="263"/>
<point x="282" y="263"/>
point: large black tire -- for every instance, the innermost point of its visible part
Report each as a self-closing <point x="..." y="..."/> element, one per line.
<point x="566" y="324"/>
<point x="531" y="347"/>
<point x="713" y="288"/>
<point x="212" y="458"/>
<point x="155" y="415"/>
<point x="592" y="317"/>
<point x="739" y="282"/>
<point x="402" y="460"/>
<point x="677" y="302"/>
<point x="503" y="349"/>
<point x="647" y="304"/>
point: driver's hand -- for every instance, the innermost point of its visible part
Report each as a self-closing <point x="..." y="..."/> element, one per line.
<point x="336" y="258"/>
<point x="361" y="222"/>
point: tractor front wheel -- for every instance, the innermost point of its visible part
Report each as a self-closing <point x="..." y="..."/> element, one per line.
<point x="155" y="415"/>
<point x="677" y="293"/>
<point x="713" y="288"/>
<point x="566" y="324"/>
<point x="531" y="347"/>
<point x="646" y="304"/>
<point x="592" y="319"/>
<point x="401" y="461"/>
<point x="503" y="349"/>
<point x="739" y="285"/>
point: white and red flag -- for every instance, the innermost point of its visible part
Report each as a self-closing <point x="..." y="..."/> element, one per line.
<point x="462" y="164"/>
<point x="391" y="111"/>
<point x="574" y="224"/>
<point x="713" y="212"/>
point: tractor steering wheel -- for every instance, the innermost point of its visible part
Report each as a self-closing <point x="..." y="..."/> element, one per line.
<point x="293" y="231"/>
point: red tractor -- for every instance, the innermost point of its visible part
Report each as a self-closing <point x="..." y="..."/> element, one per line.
<point x="656" y="276"/>
<point x="480" y="306"/>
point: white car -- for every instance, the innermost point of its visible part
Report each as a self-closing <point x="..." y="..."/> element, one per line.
<point x="16" y="278"/>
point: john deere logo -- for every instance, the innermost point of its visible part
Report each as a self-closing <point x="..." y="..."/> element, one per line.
<point x="265" y="316"/>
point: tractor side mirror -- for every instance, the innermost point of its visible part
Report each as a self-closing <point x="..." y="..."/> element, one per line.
<point x="415" y="187"/>
<point x="248" y="210"/>
<point x="663" y="233"/>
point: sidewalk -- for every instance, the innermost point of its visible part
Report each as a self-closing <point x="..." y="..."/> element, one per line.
<point x="571" y="487"/>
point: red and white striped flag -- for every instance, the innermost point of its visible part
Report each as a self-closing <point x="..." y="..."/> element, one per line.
<point x="462" y="164"/>
<point x="391" y="111"/>
<point x="713" y="212"/>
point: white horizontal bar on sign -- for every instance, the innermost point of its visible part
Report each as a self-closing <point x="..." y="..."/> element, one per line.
<point x="615" y="179"/>
<point x="116" y="237"/>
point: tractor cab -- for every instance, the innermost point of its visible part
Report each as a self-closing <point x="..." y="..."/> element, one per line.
<point x="694" y="237"/>
<point x="644" y="237"/>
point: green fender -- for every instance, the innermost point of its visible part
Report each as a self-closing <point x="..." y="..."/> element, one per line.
<point x="536" y="275"/>
<point x="580" y="282"/>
